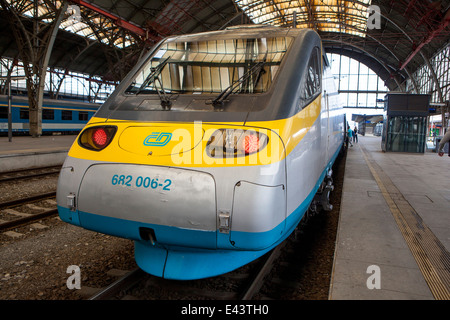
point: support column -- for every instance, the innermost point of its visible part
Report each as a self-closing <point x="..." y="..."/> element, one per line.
<point x="35" y="47"/>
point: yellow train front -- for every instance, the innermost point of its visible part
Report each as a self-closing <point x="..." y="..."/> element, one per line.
<point x="210" y="151"/>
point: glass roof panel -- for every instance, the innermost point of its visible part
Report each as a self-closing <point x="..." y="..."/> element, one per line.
<point x="345" y="16"/>
<point x="106" y="30"/>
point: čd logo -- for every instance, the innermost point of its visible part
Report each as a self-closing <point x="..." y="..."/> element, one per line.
<point x="158" y="139"/>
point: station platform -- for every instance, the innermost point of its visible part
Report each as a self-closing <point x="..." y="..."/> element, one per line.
<point x="394" y="229"/>
<point x="24" y="152"/>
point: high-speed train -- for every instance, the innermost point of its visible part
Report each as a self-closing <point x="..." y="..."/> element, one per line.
<point x="210" y="151"/>
<point x="57" y="115"/>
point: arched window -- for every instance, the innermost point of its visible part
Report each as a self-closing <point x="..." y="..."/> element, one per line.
<point x="358" y="85"/>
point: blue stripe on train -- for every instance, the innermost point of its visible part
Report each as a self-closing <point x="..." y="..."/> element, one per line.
<point x="181" y="261"/>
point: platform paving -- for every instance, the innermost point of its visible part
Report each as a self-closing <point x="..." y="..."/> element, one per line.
<point x="28" y="144"/>
<point x="371" y="248"/>
<point x="26" y="152"/>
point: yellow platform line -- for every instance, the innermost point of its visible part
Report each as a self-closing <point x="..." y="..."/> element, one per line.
<point x="430" y="255"/>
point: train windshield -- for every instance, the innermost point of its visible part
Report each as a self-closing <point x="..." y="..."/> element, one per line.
<point x="238" y="66"/>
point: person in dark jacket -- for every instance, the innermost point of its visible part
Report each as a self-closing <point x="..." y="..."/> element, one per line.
<point x="444" y="140"/>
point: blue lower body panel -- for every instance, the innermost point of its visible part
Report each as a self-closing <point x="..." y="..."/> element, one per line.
<point x="183" y="263"/>
<point x="190" y="264"/>
<point x="188" y="261"/>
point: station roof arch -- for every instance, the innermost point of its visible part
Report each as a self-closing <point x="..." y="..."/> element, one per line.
<point x="113" y="34"/>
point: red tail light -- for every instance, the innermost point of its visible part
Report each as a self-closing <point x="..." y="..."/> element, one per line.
<point x="97" y="138"/>
<point x="251" y="144"/>
<point x="225" y="143"/>
<point x="100" y="137"/>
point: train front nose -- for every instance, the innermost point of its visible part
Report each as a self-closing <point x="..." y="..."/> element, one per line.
<point x="169" y="206"/>
<point x="131" y="189"/>
<point x="182" y="192"/>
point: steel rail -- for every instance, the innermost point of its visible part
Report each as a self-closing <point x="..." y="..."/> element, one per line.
<point x="258" y="281"/>
<point x="17" y="202"/>
<point x="127" y="281"/>
<point x="34" y="175"/>
<point x="32" y="217"/>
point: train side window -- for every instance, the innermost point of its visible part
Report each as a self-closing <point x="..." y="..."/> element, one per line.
<point x="66" y="115"/>
<point x="3" y="112"/>
<point x="48" y="114"/>
<point x="24" y="113"/>
<point x="313" y="75"/>
<point x="82" y="116"/>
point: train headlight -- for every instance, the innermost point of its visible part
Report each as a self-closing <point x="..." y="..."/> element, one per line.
<point x="97" y="138"/>
<point x="251" y="144"/>
<point x="226" y="143"/>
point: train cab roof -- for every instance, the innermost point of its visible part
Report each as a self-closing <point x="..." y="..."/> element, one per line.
<point x="242" y="73"/>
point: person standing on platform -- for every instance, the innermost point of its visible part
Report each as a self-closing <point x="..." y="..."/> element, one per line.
<point x="355" y="135"/>
<point x="349" y="135"/>
<point x="444" y="140"/>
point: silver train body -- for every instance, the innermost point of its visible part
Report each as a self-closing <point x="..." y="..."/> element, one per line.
<point x="155" y="163"/>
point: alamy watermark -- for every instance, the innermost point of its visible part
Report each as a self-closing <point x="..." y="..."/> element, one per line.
<point x="75" y="12"/>
<point x="211" y="146"/>
<point x="74" y="280"/>
<point x="374" y="280"/>
<point x="374" y="19"/>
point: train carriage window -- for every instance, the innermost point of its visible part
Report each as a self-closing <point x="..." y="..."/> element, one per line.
<point x="82" y="115"/>
<point x="48" y="114"/>
<point x="66" y="115"/>
<point x="24" y="113"/>
<point x="312" y="83"/>
<point x="3" y="112"/>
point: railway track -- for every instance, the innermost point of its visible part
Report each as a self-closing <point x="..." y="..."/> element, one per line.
<point x="15" y="213"/>
<point x="29" y="173"/>
<point x="299" y="268"/>
<point x="24" y="210"/>
<point x="245" y="284"/>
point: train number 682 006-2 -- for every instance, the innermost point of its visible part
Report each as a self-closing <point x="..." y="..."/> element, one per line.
<point x="141" y="182"/>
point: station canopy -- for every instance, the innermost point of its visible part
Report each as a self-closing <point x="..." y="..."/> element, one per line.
<point x="322" y="15"/>
<point x="112" y="35"/>
<point x="79" y="20"/>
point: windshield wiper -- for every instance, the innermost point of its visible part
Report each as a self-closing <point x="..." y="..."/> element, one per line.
<point x="165" y="100"/>
<point x="219" y="101"/>
<point x="154" y="75"/>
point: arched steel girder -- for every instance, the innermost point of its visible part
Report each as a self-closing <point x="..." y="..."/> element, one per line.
<point x="425" y="59"/>
<point x="433" y="74"/>
<point x="337" y="23"/>
<point x="373" y="38"/>
<point x="369" y="54"/>
<point x="237" y="15"/>
<point x="373" y="56"/>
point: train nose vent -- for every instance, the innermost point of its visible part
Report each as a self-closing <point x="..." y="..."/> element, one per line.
<point x="71" y="202"/>
<point x="147" y="234"/>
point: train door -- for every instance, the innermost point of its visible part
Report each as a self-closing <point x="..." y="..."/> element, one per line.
<point x="326" y="111"/>
<point x="327" y="124"/>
